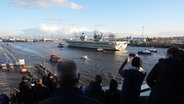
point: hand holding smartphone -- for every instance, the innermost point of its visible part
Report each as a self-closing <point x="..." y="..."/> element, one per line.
<point x="133" y="55"/>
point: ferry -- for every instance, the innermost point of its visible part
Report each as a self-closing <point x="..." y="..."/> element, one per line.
<point x="98" y="42"/>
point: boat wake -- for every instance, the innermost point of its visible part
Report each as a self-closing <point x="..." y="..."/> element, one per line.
<point x="84" y="57"/>
<point x="29" y="51"/>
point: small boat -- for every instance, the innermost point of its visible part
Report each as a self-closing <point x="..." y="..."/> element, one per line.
<point x="54" y="58"/>
<point x="85" y="57"/>
<point x="24" y="70"/>
<point x="152" y="50"/>
<point x="144" y="52"/>
<point x="61" y="45"/>
<point x="9" y="44"/>
<point x="100" y="49"/>
<point x="3" y="67"/>
<point x="10" y="66"/>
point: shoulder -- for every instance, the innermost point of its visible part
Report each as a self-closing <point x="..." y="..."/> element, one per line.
<point x="118" y="92"/>
<point x="89" y="100"/>
<point x="49" y="100"/>
<point x="161" y="60"/>
<point x="80" y="99"/>
<point x="167" y="60"/>
<point x="123" y="71"/>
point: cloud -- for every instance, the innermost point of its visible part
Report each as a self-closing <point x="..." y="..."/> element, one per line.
<point x="75" y="6"/>
<point x="101" y="25"/>
<point x="51" y="29"/>
<point x="45" y="4"/>
<point x="74" y="30"/>
<point x="55" y="19"/>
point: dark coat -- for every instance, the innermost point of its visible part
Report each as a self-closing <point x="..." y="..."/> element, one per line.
<point x="70" y="95"/>
<point x="132" y="82"/>
<point x="40" y="93"/>
<point x="95" y="91"/>
<point x="167" y="81"/>
<point x="25" y="94"/>
<point x="113" y="97"/>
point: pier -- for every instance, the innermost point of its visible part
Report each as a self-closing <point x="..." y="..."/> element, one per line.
<point x="10" y="71"/>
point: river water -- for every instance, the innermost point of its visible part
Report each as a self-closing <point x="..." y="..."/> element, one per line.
<point x="104" y="63"/>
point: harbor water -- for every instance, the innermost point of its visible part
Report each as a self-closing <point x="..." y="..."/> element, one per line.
<point x="105" y="63"/>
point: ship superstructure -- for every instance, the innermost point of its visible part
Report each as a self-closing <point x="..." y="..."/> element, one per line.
<point x="97" y="42"/>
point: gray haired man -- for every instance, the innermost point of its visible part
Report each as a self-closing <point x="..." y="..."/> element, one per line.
<point x="69" y="79"/>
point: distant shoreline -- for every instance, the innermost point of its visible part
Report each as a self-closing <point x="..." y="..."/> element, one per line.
<point x="157" y="45"/>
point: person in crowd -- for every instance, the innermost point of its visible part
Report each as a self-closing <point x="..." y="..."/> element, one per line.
<point x="94" y="89"/>
<point x="51" y="82"/>
<point x="44" y="79"/>
<point x="81" y="87"/>
<point x="40" y="92"/>
<point x="113" y="95"/>
<point x="133" y="79"/>
<point x="166" y="79"/>
<point x="25" y="96"/>
<point x="4" y="99"/>
<point x="69" y="92"/>
<point x="13" y="97"/>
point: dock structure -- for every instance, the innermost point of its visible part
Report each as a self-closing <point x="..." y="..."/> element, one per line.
<point x="10" y="71"/>
<point x="10" y="75"/>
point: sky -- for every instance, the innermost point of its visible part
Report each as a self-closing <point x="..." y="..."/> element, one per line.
<point x="37" y="18"/>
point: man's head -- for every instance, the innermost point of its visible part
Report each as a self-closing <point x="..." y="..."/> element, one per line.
<point x="176" y="53"/>
<point x="24" y="78"/>
<point x="40" y="81"/>
<point x="68" y="74"/>
<point x="98" y="79"/>
<point x="137" y="62"/>
<point x="113" y="84"/>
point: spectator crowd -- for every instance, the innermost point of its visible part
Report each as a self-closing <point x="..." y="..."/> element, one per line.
<point x="165" y="81"/>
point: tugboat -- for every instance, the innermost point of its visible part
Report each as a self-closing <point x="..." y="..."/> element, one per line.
<point x="152" y="50"/>
<point x="54" y="58"/>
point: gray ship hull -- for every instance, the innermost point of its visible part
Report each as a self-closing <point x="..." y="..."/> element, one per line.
<point x="105" y="45"/>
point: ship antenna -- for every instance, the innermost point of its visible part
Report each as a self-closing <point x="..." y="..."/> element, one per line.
<point x="142" y="31"/>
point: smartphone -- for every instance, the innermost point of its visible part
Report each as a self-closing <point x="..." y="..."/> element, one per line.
<point x="132" y="54"/>
<point x="32" y="84"/>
